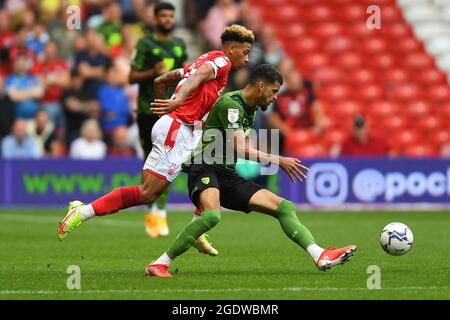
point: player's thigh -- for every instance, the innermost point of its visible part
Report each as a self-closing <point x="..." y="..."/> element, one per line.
<point x="152" y="186"/>
<point x="265" y="201"/>
<point x="145" y="124"/>
<point x="203" y="186"/>
<point x="237" y="193"/>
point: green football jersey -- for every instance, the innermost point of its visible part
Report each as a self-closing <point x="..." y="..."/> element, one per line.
<point x="149" y="51"/>
<point x="230" y="112"/>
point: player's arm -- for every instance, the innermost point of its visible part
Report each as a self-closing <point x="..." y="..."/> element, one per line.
<point x="136" y="76"/>
<point x="166" y="81"/>
<point x="292" y="166"/>
<point x="203" y="74"/>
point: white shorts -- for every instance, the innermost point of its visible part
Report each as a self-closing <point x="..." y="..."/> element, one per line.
<point x="173" y="143"/>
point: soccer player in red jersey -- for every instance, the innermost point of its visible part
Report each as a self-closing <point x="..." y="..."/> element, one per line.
<point x="176" y="134"/>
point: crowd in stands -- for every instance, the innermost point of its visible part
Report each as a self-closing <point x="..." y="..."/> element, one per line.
<point x="64" y="91"/>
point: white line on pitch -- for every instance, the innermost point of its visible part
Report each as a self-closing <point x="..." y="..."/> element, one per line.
<point x="6" y="292"/>
<point x="50" y="219"/>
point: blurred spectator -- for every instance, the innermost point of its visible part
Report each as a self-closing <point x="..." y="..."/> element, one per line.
<point x="361" y="143"/>
<point x="89" y="146"/>
<point x="24" y="89"/>
<point x="41" y="131"/>
<point x="7" y="36"/>
<point x="114" y="104"/>
<point x="6" y="109"/>
<point x="92" y="63"/>
<point x="78" y="107"/>
<point x="266" y="49"/>
<point x="18" y="145"/>
<point x="120" y="146"/>
<point x="223" y="13"/>
<point x="62" y="35"/>
<point x="36" y="34"/>
<point x="55" y="76"/>
<point x="296" y="109"/>
<point x="111" y="26"/>
<point x="20" y="49"/>
<point x="57" y="149"/>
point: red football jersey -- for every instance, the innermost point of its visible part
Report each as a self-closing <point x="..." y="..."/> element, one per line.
<point x="51" y="69"/>
<point x="200" y="102"/>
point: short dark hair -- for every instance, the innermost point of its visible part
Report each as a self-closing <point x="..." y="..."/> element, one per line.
<point x="266" y="73"/>
<point x="163" y="6"/>
<point x="237" y="33"/>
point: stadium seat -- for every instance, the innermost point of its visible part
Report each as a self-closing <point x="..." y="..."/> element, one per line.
<point x="439" y="136"/>
<point x="432" y="77"/>
<point x="336" y="92"/>
<point x="407" y="91"/>
<point x="418" y="108"/>
<point x="338" y="44"/>
<point x="439" y="92"/>
<point x="353" y="12"/>
<point x="349" y="60"/>
<point x="438" y="44"/>
<point x="335" y="136"/>
<point x="421" y="150"/>
<point x="327" y="75"/>
<point x="384" y="108"/>
<point x="382" y="60"/>
<point x="397" y="30"/>
<point x="370" y="92"/>
<point x="429" y="123"/>
<point x="349" y="108"/>
<point x="362" y="76"/>
<point x="406" y="46"/>
<point x="419" y="60"/>
<point x="395" y="75"/>
<point x="328" y="29"/>
<point x="375" y="45"/>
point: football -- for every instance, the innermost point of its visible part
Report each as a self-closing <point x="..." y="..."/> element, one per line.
<point x="396" y="239"/>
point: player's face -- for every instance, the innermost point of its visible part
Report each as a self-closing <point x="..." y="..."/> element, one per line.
<point x="239" y="54"/>
<point x="165" y="21"/>
<point x="268" y="93"/>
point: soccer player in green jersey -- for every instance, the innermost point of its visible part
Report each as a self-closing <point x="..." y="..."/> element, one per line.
<point x="155" y="55"/>
<point x="213" y="181"/>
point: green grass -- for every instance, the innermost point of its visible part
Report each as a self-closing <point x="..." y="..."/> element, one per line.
<point x="256" y="260"/>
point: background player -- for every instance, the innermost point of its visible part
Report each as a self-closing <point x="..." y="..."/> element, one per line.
<point x="174" y="136"/>
<point x="155" y="54"/>
<point x="214" y="185"/>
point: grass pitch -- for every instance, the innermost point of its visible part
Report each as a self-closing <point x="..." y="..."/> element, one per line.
<point x="256" y="260"/>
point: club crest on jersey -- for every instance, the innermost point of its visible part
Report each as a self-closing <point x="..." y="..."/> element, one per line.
<point x="205" y="180"/>
<point x="233" y="115"/>
<point x="171" y="170"/>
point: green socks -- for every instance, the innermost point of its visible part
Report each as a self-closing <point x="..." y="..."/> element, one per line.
<point x="287" y="215"/>
<point x="208" y="220"/>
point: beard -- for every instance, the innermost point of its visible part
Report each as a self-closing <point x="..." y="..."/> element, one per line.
<point x="165" y="30"/>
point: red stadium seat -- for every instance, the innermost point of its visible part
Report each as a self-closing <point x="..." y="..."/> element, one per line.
<point x="336" y="136"/>
<point x="394" y="122"/>
<point x="336" y="92"/>
<point x="308" y="151"/>
<point x="407" y="91"/>
<point x="362" y="76"/>
<point x="391" y="13"/>
<point x="439" y="92"/>
<point x="326" y="75"/>
<point x="382" y="60"/>
<point x="304" y="44"/>
<point x="395" y="75"/>
<point x="313" y="60"/>
<point x="418" y="108"/>
<point x="359" y="29"/>
<point x="281" y="14"/>
<point x="370" y="92"/>
<point x="292" y="32"/>
<point x="421" y="150"/>
<point x="440" y="136"/>
<point x="328" y="29"/>
<point x="432" y="76"/>
<point x="319" y="13"/>
<point x="353" y="12"/>
<point x="348" y="108"/>
<point x="406" y="137"/>
<point x="397" y="30"/>
<point x="429" y="123"/>
<point x="350" y="60"/>
<point x="418" y="60"/>
<point x="375" y="45"/>
<point x="406" y="46"/>
<point x="339" y="44"/>
<point x="384" y="108"/>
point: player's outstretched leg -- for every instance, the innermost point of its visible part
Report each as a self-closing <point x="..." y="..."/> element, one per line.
<point x="116" y="200"/>
<point x="285" y="211"/>
<point x="209" y="218"/>
<point x="202" y="244"/>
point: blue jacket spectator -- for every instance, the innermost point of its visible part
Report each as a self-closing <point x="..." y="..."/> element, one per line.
<point x="114" y="103"/>
<point x="24" y="89"/>
<point x="18" y="145"/>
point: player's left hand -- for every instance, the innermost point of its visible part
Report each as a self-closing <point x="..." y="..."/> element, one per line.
<point x="294" y="168"/>
<point x="161" y="107"/>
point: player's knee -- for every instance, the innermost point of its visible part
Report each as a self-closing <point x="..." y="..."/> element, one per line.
<point x="211" y="218"/>
<point x="286" y="208"/>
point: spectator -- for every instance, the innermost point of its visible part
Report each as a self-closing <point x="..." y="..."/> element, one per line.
<point x="223" y="13"/>
<point x="24" y="89"/>
<point x="296" y="109"/>
<point x="42" y="132"/>
<point x="7" y="36"/>
<point x="18" y="145"/>
<point x="55" y="75"/>
<point x="361" y="143"/>
<point x="89" y="146"/>
<point x="78" y="107"/>
<point x="20" y="49"/>
<point x="111" y="26"/>
<point x="114" y="104"/>
<point x="120" y="146"/>
<point x="36" y="34"/>
<point x="91" y="64"/>
<point x="6" y="109"/>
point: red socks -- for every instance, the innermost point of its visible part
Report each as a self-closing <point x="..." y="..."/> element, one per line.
<point x="120" y="198"/>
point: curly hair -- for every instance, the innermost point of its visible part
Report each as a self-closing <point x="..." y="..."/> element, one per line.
<point x="237" y="33"/>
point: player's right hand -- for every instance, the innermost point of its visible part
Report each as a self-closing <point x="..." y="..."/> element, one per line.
<point x="294" y="168"/>
<point x="160" y="68"/>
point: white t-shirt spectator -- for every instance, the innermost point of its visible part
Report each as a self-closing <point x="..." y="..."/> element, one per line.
<point x="84" y="150"/>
